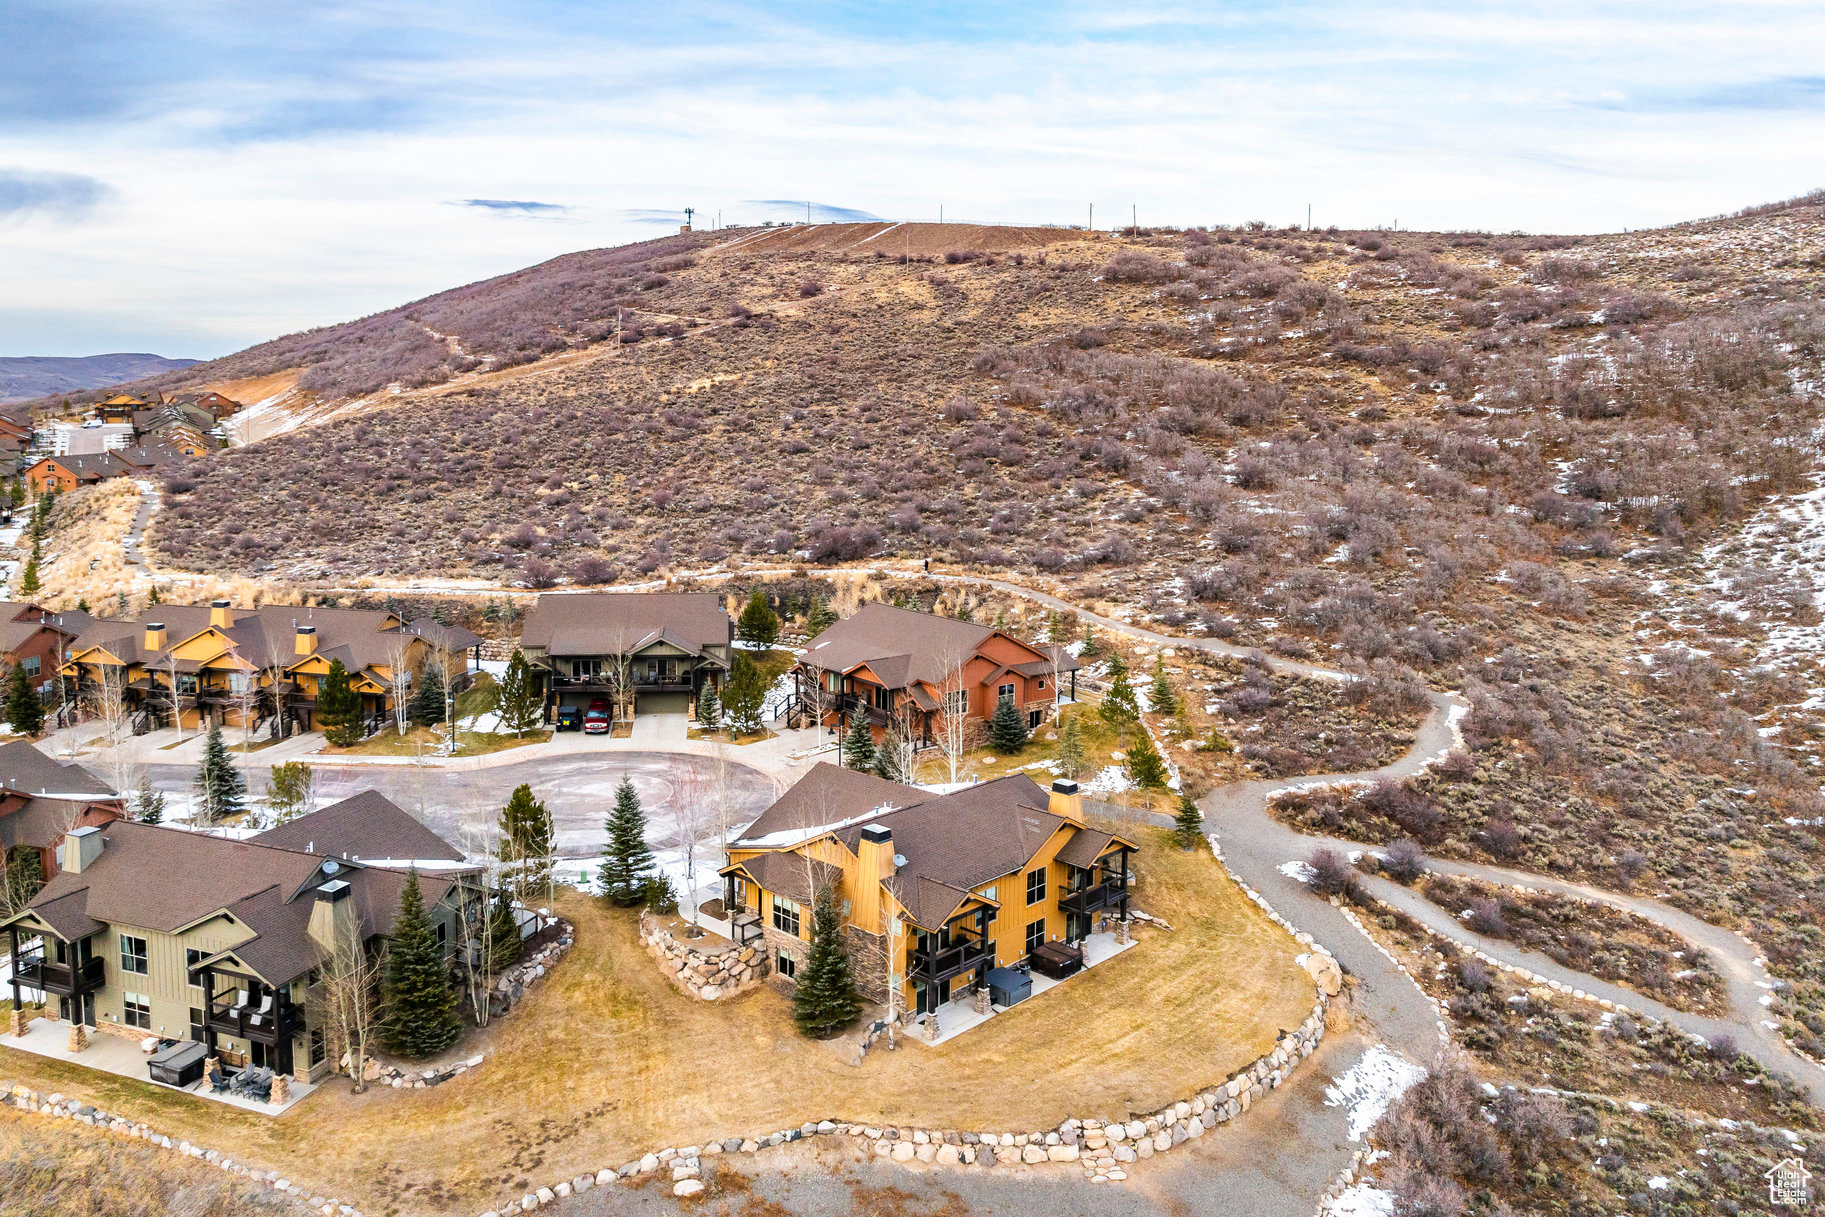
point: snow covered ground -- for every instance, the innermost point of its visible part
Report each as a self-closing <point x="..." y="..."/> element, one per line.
<point x="1370" y="1086"/>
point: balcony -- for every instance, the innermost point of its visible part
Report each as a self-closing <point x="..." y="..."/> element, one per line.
<point x="1090" y="899"/>
<point x="60" y="978"/>
<point x="249" y="1023"/>
<point x="934" y="966"/>
<point x="851" y="703"/>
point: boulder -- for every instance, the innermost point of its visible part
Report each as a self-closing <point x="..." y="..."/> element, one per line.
<point x="1061" y="1153"/>
<point x="687" y="1187"/>
<point x="1033" y="1155"/>
<point x="948" y="1155"/>
<point x="903" y="1151"/>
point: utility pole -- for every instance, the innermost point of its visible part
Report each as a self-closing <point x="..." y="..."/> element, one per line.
<point x="1134" y="218"/>
<point x="940" y="213"/>
<point x="1308" y="217"/>
<point x="807" y="211"/>
<point x="1092" y="217"/>
<point x="689" y="212"/>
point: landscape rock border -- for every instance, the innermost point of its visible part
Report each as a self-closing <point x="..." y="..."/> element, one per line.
<point x="699" y="972"/>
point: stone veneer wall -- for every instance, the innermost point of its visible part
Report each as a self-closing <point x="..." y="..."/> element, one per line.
<point x="702" y="972"/>
<point x="867" y="962"/>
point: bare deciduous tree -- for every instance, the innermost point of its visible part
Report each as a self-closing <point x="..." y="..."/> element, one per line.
<point x="399" y="676"/>
<point x="349" y="1001"/>
<point x="953" y="709"/>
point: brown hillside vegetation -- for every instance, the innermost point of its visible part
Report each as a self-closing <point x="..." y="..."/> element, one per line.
<point x="899" y="239"/>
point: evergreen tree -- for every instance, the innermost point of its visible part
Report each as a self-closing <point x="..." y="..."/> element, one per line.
<point x="24" y="711"/>
<point x="1073" y="757"/>
<point x="427" y="704"/>
<point x="152" y="596"/>
<point x="1001" y="620"/>
<point x="825" y="1000"/>
<point x="964" y="611"/>
<point x="525" y="847"/>
<point x="709" y="714"/>
<point x="1188" y="824"/>
<point x="504" y="942"/>
<point x="1055" y="628"/>
<point x="818" y="617"/>
<point x="219" y="786"/>
<point x="290" y="791"/>
<point x="17" y="494"/>
<point x="1093" y="646"/>
<point x="886" y="765"/>
<point x="82" y="604"/>
<point x="658" y="894"/>
<point x="627" y="860"/>
<point x="29" y="581"/>
<point x="1120" y="709"/>
<point x="420" y="1006"/>
<point x="338" y="707"/>
<point x="1164" y="697"/>
<point x="148" y="803"/>
<point x="1146" y="768"/>
<point x="517" y="700"/>
<point x="744" y="695"/>
<point x="1007" y="727"/>
<point x="858" y="743"/>
<point x="758" y="624"/>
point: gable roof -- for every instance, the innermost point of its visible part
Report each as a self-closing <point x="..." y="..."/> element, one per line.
<point x="365" y="826"/>
<point x="25" y="770"/>
<point x="444" y="637"/>
<point x="826" y="798"/>
<point x="900" y="645"/>
<point x="617" y="623"/>
<point x="264" y="636"/>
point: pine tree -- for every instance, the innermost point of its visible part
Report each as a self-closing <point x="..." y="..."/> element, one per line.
<point x="1055" y="628"/>
<point x="1001" y="620"/>
<point x="421" y="1018"/>
<point x="427" y="706"/>
<point x="1093" y="646"/>
<point x="525" y="847"/>
<point x="627" y="860"/>
<point x="886" y="765"/>
<point x="818" y="617"/>
<point x="152" y="596"/>
<point x="1007" y="727"/>
<point x="29" y="581"/>
<point x="858" y="743"/>
<point x="744" y="695"/>
<point x="17" y="494"/>
<point x="504" y="942"/>
<point x="518" y="699"/>
<point x="709" y="714"/>
<point x="1188" y="824"/>
<point x="338" y="707"/>
<point x="219" y="785"/>
<point x="1164" y="697"/>
<point x="1119" y="707"/>
<point x="1073" y="757"/>
<point x="825" y="1000"/>
<point x="148" y="803"/>
<point x="758" y="624"/>
<point x="24" y="711"/>
<point x="1146" y="768"/>
<point x="290" y="791"/>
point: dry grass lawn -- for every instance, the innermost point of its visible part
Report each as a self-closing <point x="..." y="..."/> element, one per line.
<point x="606" y="1060"/>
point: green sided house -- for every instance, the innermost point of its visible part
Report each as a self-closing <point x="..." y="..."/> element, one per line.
<point x="148" y="932"/>
<point x="640" y="652"/>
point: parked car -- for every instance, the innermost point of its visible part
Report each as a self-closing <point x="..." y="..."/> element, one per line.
<point x="595" y="719"/>
<point x="569" y="718"/>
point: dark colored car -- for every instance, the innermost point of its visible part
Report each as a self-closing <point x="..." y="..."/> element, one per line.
<point x="595" y="719"/>
<point x="569" y="718"/>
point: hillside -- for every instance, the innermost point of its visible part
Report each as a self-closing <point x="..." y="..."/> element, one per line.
<point x="25" y="377"/>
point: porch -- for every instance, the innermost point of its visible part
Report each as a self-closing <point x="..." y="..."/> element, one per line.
<point x="959" y="1014"/>
<point x="49" y="1037"/>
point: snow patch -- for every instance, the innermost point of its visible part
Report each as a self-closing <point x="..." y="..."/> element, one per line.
<point x="1371" y="1085"/>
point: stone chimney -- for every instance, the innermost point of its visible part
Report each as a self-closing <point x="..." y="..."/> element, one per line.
<point x="333" y="916"/>
<point x="221" y="614"/>
<point x="155" y="636"/>
<point x="80" y="848"/>
<point x="1066" y="801"/>
<point x="875" y="864"/>
<point x="306" y="642"/>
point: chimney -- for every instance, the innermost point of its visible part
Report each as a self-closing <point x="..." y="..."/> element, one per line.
<point x="155" y="636"/>
<point x="221" y="614"/>
<point x="306" y="643"/>
<point x="80" y="848"/>
<point x="874" y="865"/>
<point x="1066" y="801"/>
<point x="333" y="917"/>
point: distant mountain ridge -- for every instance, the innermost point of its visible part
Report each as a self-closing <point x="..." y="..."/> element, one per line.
<point x="23" y="377"/>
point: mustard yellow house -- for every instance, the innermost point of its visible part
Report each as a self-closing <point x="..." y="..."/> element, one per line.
<point x="936" y="891"/>
<point x="239" y="668"/>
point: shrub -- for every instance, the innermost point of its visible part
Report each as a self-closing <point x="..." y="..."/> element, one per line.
<point x="1486" y="918"/>
<point x="1404" y="861"/>
<point x="1332" y="874"/>
<point x="810" y="287"/>
<point x="1133" y="266"/>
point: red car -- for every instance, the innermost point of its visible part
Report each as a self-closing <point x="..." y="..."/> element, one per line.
<point x="595" y="719"/>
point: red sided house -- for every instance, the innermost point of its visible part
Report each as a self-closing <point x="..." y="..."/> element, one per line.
<point x="42" y="799"/>
<point x="898" y="666"/>
<point x="38" y="639"/>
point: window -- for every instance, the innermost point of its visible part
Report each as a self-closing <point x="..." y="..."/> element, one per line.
<point x="991" y="892"/>
<point x="785" y="916"/>
<point x="132" y="954"/>
<point x="192" y="958"/>
<point x="32" y="665"/>
<point x="196" y="1022"/>
<point x="442" y="933"/>
<point x="1040" y="683"/>
<point x="788" y="966"/>
<point x="238" y="683"/>
<point x="319" y="1046"/>
<point x="957" y="701"/>
<point x="1036" y="935"/>
<point x="136" y="1010"/>
<point x="186" y="682"/>
<point x="1034" y="718"/>
<point x="1036" y="885"/>
<point x="1005" y="692"/>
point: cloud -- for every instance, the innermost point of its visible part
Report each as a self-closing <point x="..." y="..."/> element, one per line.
<point x="55" y="196"/>
<point x="827" y="212"/>
<point x="517" y="207"/>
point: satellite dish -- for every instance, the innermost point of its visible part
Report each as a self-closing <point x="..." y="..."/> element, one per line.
<point x="331" y="866"/>
<point x="899" y="859"/>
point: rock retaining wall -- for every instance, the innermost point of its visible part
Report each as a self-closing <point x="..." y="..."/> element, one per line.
<point x="703" y="972"/>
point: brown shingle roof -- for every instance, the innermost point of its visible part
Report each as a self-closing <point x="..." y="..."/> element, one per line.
<point x="363" y="826"/>
<point x="1083" y="849"/>
<point x="908" y="645"/>
<point x="25" y="769"/>
<point x="827" y="795"/>
<point x="611" y="623"/>
<point x="265" y="636"/>
<point x="792" y="875"/>
<point x="444" y="637"/>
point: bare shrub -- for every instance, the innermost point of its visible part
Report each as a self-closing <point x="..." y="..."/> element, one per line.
<point x="1404" y="861"/>
<point x="1133" y="266"/>
<point x="1332" y="874"/>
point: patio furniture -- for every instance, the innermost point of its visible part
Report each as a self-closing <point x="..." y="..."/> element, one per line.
<point x="258" y="1017"/>
<point x="179" y="1065"/>
<point x="252" y="1083"/>
<point x="1057" y="959"/>
<point x="220" y="1079"/>
<point x="1009" y="986"/>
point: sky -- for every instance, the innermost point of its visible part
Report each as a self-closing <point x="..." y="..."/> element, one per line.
<point x="189" y="177"/>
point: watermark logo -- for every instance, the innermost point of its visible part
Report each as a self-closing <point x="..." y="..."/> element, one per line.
<point x="1787" y="1183"/>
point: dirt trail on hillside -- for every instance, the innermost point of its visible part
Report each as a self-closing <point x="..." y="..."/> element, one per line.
<point x="910" y="238"/>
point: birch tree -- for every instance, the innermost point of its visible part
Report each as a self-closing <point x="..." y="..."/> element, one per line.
<point x="349" y="1001"/>
<point x="399" y="677"/>
<point x="953" y="709"/>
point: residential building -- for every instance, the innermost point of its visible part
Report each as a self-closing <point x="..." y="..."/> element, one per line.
<point x="226" y="664"/>
<point x="81" y="439"/>
<point x="38" y="639"/>
<point x="42" y="798"/>
<point x="120" y="407"/>
<point x="643" y="652"/>
<point x="66" y="473"/>
<point x="936" y="890"/>
<point x="155" y="931"/>
<point x="911" y="670"/>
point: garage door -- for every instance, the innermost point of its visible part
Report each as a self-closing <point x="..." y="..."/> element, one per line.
<point x="662" y="703"/>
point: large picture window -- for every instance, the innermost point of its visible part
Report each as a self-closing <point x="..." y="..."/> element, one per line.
<point x="1004" y="692"/>
<point x="1036" y="885"/>
<point x="132" y="954"/>
<point x="1036" y="935"/>
<point x="785" y="916"/>
<point x="957" y="701"/>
